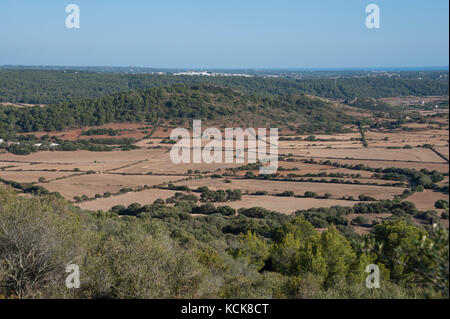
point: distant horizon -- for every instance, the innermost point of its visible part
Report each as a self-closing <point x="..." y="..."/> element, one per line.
<point x="368" y="68"/>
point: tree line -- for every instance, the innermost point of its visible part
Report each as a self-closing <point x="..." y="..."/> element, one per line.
<point x="173" y="102"/>
<point x="49" y="87"/>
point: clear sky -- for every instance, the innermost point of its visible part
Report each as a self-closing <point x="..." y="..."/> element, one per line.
<point x="225" y="33"/>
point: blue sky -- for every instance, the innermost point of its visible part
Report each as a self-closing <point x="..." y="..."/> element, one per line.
<point x="226" y="33"/>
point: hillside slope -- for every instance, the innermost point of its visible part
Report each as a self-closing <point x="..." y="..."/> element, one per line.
<point x="185" y="102"/>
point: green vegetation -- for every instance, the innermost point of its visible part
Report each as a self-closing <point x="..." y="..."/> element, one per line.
<point x="162" y="252"/>
<point x="371" y="104"/>
<point x="175" y="102"/>
<point x="424" y="178"/>
<point x="219" y="195"/>
<point x="441" y="204"/>
<point x="100" y="131"/>
<point x="48" y="87"/>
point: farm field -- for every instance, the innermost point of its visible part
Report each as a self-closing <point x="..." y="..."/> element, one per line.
<point x="441" y="167"/>
<point x="426" y="200"/>
<point x="289" y="205"/>
<point x="444" y="150"/>
<point x="91" y="185"/>
<point x="150" y="166"/>
<point x="378" y="154"/>
<point x="143" y="175"/>
<point x="31" y="176"/>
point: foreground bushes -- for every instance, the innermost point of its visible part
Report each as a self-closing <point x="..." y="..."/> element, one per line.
<point x="162" y="252"/>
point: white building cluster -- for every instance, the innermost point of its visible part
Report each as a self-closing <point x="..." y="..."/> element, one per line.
<point x="206" y="73"/>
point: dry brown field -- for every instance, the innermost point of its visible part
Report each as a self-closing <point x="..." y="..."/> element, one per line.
<point x="426" y="200"/>
<point x="377" y="154"/>
<point x="116" y="170"/>
<point x="441" y="167"/>
<point x="401" y="138"/>
<point x="159" y="161"/>
<point x="30" y="177"/>
<point x="91" y="185"/>
<point x="126" y="130"/>
<point x="83" y="159"/>
<point x="285" y="205"/>
<point x="444" y="150"/>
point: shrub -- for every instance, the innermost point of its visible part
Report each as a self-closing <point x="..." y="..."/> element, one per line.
<point x="365" y="198"/>
<point x="441" y="204"/>
<point x="310" y="194"/>
<point x="226" y="210"/>
<point x="286" y="194"/>
<point x="360" y="220"/>
<point x="205" y="209"/>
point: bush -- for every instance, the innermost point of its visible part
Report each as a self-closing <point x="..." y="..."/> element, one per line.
<point x="260" y="193"/>
<point x="226" y="210"/>
<point x="360" y="220"/>
<point x="220" y="195"/>
<point x="159" y="201"/>
<point x="365" y="198"/>
<point x="205" y="209"/>
<point x="430" y="216"/>
<point x="35" y="248"/>
<point x="310" y="194"/>
<point x="318" y="222"/>
<point x="118" y="208"/>
<point x="254" y="212"/>
<point x="286" y="194"/>
<point x="441" y="204"/>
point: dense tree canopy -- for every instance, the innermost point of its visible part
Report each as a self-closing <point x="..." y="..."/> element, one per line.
<point x="48" y="87"/>
<point x="174" y="102"/>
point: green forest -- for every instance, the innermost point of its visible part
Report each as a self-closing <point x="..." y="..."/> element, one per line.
<point x="157" y="251"/>
<point x="49" y="87"/>
<point x="180" y="101"/>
